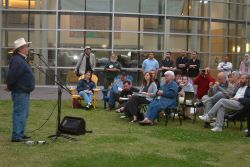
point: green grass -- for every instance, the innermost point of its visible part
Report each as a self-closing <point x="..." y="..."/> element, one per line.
<point x="115" y="142"/>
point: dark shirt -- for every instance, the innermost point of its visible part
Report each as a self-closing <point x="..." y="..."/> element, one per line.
<point x="182" y="60"/>
<point x="88" y="66"/>
<point x="193" y="72"/>
<point x="166" y="63"/>
<point x="20" y="78"/>
<point x="85" y="85"/>
<point x="112" y="74"/>
<point x="124" y="93"/>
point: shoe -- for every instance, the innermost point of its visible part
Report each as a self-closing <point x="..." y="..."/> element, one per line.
<point x="87" y="107"/>
<point x="26" y="137"/>
<point x="199" y="104"/>
<point x="19" y="140"/>
<point x="213" y="124"/>
<point x="207" y="125"/>
<point x="246" y="130"/>
<point x="122" y="117"/>
<point x="144" y="123"/>
<point x="216" y="129"/>
<point x="133" y="121"/>
<point x="205" y="118"/>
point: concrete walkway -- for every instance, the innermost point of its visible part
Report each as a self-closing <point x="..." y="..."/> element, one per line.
<point x="42" y="93"/>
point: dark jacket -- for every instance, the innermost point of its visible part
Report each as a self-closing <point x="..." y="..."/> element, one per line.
<point x="246" y="99"/>
<point x="84" y="85"/>
<point x="193" y="72"/>
<point x="182" y="60"/>
<point x="20" y="78"/>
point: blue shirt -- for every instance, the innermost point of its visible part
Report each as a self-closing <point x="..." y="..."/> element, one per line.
<point x="149" y="65"/>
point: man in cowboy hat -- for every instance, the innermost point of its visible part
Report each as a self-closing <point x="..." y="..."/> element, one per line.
<point x="86" y="62"/>
<point x="20" y="81"/>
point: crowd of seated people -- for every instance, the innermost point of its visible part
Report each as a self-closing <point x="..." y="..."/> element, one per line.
<point x="230" y="90"/>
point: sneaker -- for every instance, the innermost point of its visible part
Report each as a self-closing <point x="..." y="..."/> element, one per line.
<point x="216" y="129"/>
<point x="205" y="118"/>
<point x="123" y="116"/>
<point x="213" y="124"/>
<point x="199" y="104"/>
<point x="246" y="130"/>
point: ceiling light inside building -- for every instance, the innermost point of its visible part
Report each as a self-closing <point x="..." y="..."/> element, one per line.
<point x="205" y="2"/>
<point x="238" y="49"/>
<point x="247" y="47"/>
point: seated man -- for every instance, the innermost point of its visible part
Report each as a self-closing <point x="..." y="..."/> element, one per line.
<point x="221" y="89"/>
<point x="116" y="89"/>
<point x="166" y="98"/>
<point x="125" y="94"/>
<point x="85" y="89"/>
<point x="234" y="104"/>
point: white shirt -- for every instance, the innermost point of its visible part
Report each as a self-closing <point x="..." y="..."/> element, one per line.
<point x="240" y="92"/>
<point x="225" y="67"/>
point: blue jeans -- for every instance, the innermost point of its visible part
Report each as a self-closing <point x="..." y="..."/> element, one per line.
<point x="153" y="109"/>
<point x="88" y="97"/>
<point x="20" y="113"/>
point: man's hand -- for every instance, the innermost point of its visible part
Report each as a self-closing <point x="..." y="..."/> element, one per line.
<point x="160" y="92"/>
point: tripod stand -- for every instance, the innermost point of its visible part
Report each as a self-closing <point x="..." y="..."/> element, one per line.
<point x="59" y="101"/>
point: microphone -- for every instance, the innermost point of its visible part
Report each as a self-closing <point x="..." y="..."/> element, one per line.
<point x="34" y="53"/>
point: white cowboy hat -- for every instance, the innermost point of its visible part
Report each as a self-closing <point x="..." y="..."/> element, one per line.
<point x="19" y="43"/>
<point x="87" y="47"/>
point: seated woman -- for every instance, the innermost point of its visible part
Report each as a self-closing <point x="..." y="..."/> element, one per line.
<point x="85" y="89"/>
<point x="166" y="99"/>
<point x="145" y="96"/>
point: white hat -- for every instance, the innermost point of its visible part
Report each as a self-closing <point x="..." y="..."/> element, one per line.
<point x="169" y="73"/>
<point x="19" y="43"/>
<point x="87" y="47"/>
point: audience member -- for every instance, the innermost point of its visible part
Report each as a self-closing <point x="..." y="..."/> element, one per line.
<point x="193" y="65"/>
<point x="150" y="63"/>
<point x="233" y="104"/>
<point x="86" y="62"/>
<point x="182" y="61"/>
<point x="145" y="96"/>
<point x="245" y="65"/>
<point x="166" y="65"/>
<point x="112" y="69"/>
<point x="85" y="89"/>
<point x="203" y="80"/>
<point x="153" y="74"/>
<point x="167" y="96"/>
<point x="225" y="66"/>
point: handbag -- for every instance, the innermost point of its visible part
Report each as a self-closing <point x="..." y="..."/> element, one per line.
<point x="77" y="72"/>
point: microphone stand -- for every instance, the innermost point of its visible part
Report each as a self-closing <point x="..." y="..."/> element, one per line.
<point x="61" y="87"/>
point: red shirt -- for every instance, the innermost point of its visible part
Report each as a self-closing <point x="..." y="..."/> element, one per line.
<point x="203" y="84"/>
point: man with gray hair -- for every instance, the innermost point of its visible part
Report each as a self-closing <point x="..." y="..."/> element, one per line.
<point x="167" y="95"/>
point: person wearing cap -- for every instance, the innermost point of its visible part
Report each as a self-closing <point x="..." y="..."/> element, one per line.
<point x="245" y="65"/>
<point x="167" y="97"/>
<point x="86" y="62"/>
<point x="112" y="69"/>
<point x="20" y="81"/>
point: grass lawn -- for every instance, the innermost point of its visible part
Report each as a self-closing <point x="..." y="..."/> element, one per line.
<point x="115" y="142"/>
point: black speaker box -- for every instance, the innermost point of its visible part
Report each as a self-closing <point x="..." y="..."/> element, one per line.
<point x="73" y="125"/>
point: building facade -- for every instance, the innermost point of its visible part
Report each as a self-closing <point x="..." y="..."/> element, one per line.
<point x="59" y="29"/>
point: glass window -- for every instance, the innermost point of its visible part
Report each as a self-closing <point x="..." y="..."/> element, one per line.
<point x="219" y="10"/>
<point x="6" y="54"/>
<point x="173" y="40"/>
<point x="128" y="59"/>
<point x="130" y="6"/>
<point x="248" y="12"/>
<point x="47" y="58"/>
<point x="248" y="31"/>
<point x="152" y="7"/>
<point x="235" y="45"/>
<point x="204" y="60"/>
<point x="152" y="24"/>
<point x="151" y="41"/>
<point x="175" y="25"/>
<point x="43" y="39"/>
<point x="199" y="8"/>
<point x="72" y="21"/>
<point x="247" y="45"/>
<point x="218" y="28"/>
<point x="99" y="40"/>
<point x="99" y="5"/>
<point x="98" y="22"/>
<point x="176" y="7"/>
<point x="198" y="43"/>
<point x="71" y="39"/>
<point x="236" y="29"/>
<point x="8" y="37"/>
<point x="102" y="58"/>
<point x="20" y="20"/>
<point x="121" y="23"/>
<point x="237" y="11"/>
<point x="34" y="4"/>
<point x="219" y="45"/>
<point x="124" y="40"/>
<point x="200" y="26"/>
<point x="68" y="58"/>
<point x="71" y="5"/>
